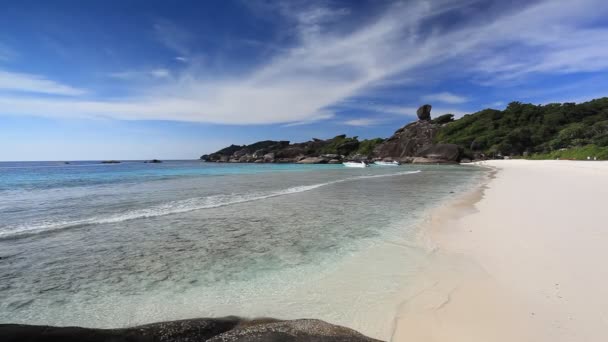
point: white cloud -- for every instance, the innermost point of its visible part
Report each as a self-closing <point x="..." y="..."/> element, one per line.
<point x="181" y="59"/>
<point x="20" y="82"/>
<point x="362" y="122"/>
<point x="322" y="115"/>
<point x="546" y="37"/>
<point x="160" y="73"/>
<point x="445" y="97"/>
<point x="329" y="64"/>
<point x="141" y="75"/>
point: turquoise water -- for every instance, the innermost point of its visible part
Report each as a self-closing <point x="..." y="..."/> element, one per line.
<point x="117" y="244"/>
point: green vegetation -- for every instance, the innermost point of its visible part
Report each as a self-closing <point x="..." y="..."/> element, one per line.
<point x="344" y="145"/>
<point x="534" y="130"/>
<point x="575" y="153"/>
<point x="442" y="119"/>
<point x="340" y="144"/>
<point x="366" y="147"/>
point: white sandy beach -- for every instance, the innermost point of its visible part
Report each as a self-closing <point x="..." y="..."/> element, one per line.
<point x="522" y="260"/>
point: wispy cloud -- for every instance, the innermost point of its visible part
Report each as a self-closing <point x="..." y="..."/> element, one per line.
<point x="321" y="115"/>
<point x="19" y="82"/>
<point x="546" y="37"/>
<point x="174" y="37"/>
<point x="328" y="64"/>
<point x="363" y="122"/>
<point x="445" y="97"/>
<point x="139" y="75"/>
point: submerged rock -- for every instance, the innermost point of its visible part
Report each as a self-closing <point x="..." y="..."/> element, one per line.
<point x="227" y="329"/>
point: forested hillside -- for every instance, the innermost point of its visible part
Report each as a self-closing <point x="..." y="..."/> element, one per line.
<point x="527" y="129"/>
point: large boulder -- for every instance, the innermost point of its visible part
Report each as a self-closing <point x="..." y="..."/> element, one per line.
<point x="268" y="158"/>
<point x="227" y="329"/>
<point x="444" y="152"/>
<point x="424" y="112"/>
<point x="407" y="140"/>
<point x="313" y="160"/>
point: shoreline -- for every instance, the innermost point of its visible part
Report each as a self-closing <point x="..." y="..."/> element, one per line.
<point x="503" y="259"/>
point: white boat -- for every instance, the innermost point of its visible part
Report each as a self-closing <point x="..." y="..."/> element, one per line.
<point x="354" y="164"/>
<point x="386" y="163"/>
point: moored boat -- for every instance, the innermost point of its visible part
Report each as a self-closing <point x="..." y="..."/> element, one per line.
<point x="386" y="163"/>
<point x="354" y="164"/>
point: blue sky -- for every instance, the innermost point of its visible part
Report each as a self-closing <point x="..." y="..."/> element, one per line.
<point x="176" y="79"/>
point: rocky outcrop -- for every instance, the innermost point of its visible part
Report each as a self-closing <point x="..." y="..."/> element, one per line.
<point x="313" y="160"/>
<point x="315" y="151"/>
<point x="441" y="152"/>
<point x="415" y="142"/>
<point x="227" y="329"/>
<point x="407" y="141"/>
<point x="424" y="112"/>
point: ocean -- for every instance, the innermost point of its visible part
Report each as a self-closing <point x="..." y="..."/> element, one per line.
<point x="113" y="245"/>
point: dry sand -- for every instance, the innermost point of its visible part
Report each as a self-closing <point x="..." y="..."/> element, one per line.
<point x="524" y="259"/>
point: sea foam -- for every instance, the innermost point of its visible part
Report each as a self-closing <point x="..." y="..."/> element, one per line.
<point x="175" y="207"/>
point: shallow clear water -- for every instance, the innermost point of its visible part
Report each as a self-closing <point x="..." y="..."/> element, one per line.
<point x="120" y="244"/>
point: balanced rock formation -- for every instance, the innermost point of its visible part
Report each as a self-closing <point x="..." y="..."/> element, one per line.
<point x="415" y="142"/>
<point x="424" y="112"/>
<point x="227" y="329"/>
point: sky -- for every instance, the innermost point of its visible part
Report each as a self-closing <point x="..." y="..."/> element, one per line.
<point x="93" y="80"/>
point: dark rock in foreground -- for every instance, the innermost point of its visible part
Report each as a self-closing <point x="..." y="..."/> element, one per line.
<point x="227" y="329"/>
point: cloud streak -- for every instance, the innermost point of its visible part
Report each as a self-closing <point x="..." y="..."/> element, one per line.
<point x="445" y="97"/>
<point x="327" y="64"/>
<point x="363" y="122"/>
<point x="19" y="82"/>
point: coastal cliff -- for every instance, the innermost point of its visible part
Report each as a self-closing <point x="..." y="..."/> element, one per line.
<point x="227" y="329"/>
<point x="413" y="143"/>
